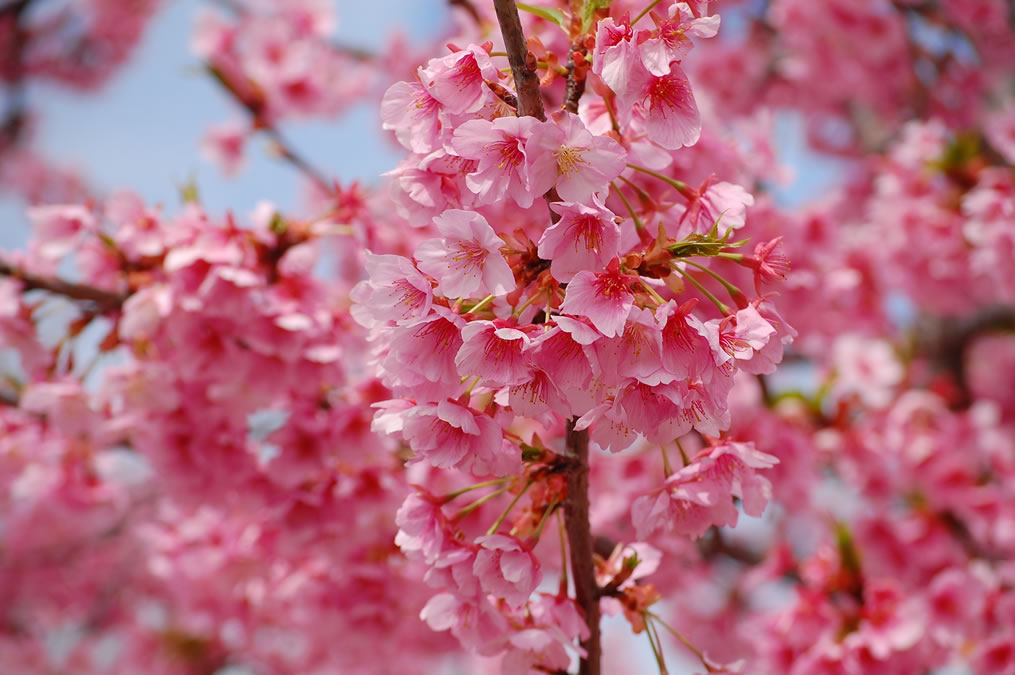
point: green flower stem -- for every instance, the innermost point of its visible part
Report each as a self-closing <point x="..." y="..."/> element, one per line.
<point x="546" y="516"/>
<point x="466" y="510"/>
<point x="730" y="288"/>
<point x="479" y="305"/>
<point x="675" y="184"/>
<point x="645" y="11"/>
<point x="504" y="514"/>
<point x="715" y="301"/>
<point x="638" y="224"/>
<point x="458" y="493"/>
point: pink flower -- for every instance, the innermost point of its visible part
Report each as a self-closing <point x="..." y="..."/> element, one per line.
<point x="395" y="291"/>
<point x="615" y="55"/>
<point x="722" y="342"/>
<point x="753" y="331"/>
<point x="700" y="495"/>
<point x="562" y="153"/>
<point x="450" y="435"/>
<point x="705" y="401"/>
<point x="537" y="397"/>
<point x="673" y="120"/>
<point x="477" y="624"/>
<point x="65" y="406"/>
<point x="139" y="231"/>
<point x="685" y="353"/>
<point x="59" y="228"/>
<point x="658" y="413"/>
<point x="585" y="238"/>
<point x="608" y="426"/>
<point x="603" y="297"/>
<point x="495" y="351"/>
<point x="866" y="368"/>
<point x="424" y="354"/>
<point x="499" y="150"/>
<point x="506" y="569"/>
<point x="562" y="357"/>
<point x="648" y="559"/>
<point x="414" y="115"/>
<point x="424" y="187"/>
<point x="458" y="80"/>
<point x="715" y="203"/>
<point x="223" y="145"/>
<point x="671" y="40"/>
<point x="1000" y="130"/>
<point x="635" y="353"/>
<point x="955" y="601"/>
<point x="467" y="261"/>
<point x="766" y="357"/>
<point x="536" y="650"/>
<point x="768" y="262"/>
<point x="422" y="527"/>
<point x="890" y="622"/>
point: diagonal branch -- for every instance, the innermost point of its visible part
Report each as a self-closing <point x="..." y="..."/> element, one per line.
<point x="104" y="300"/>
<point x="253" y="102"/>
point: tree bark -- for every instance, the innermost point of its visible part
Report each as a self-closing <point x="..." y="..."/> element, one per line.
<point x="581" y="545"/>
<point x="523" y="63"/>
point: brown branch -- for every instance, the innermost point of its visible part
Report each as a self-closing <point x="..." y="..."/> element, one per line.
<point x="713" y="544"/>
<point x="581" y="545"/>
<point x="286" y="152"/>
<point x="252" y="100"/>
<point x="503" y="94"/>
<point x="469" y="8"/>
<point x="523" y="62"/>
<point x="946" y="342"/>
<point x="577" y="69"/>
<point x="12" y="69"/>
<point x="9" y="399"/>
<point x="103" y="300"/>
<point x="576" y="505"/>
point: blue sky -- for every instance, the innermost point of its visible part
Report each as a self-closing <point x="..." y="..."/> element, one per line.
<point x="143" y="129"/>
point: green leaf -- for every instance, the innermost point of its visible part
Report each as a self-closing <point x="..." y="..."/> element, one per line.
<point x="189" y="193"/>
<point x="849" y="557"/>
<point x="530" y="453"/>
<point x="549" y="13"/>
<point x="277" y="223"/>
<point x="589" y="12"/>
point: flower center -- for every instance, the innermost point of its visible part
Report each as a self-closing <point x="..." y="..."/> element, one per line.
<point x="669" y="91"/>
<point x="569" y="160"/>
<point x="510" y="154"/>
<point x="588" y="233"/>
<point x="467" y="254"/>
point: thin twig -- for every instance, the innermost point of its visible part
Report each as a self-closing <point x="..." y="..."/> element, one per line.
<point x="576" y="75"/>
<point x="469" y="8"/>
<point x="255" y="106"/>
<point x="286" y="151"/>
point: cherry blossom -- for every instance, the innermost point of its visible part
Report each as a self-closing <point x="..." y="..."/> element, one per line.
<point x="535" y="374"/>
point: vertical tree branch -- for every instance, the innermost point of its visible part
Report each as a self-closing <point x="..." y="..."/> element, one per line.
<point x="576" y="504"/>
<point x="581" y="545"/>
<point x="523" y="63"/>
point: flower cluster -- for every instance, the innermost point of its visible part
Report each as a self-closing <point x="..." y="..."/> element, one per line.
<point x="534" y="376"/>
